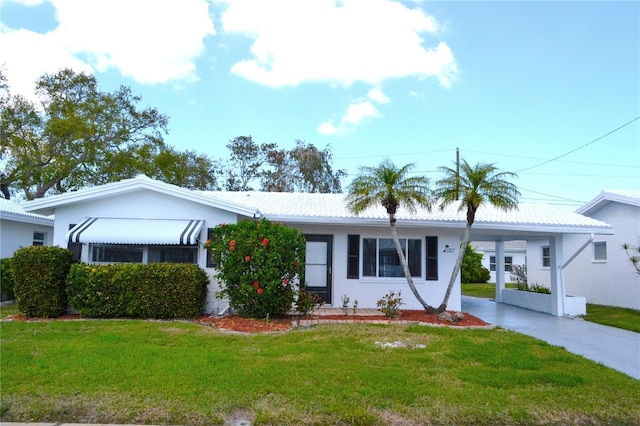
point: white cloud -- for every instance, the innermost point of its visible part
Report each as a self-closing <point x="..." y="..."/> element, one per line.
<point x="343" y="42"/>
<point x="327" y="128"/>
<point x="377" y="95"/>
<point x="150" y="41"/>
<point x="355" y="114"/>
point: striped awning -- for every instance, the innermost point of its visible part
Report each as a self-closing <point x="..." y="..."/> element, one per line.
<point x="136" y="231"/>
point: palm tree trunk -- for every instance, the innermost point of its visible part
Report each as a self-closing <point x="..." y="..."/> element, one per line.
<point x="405" y="268"/>
<point x="456" y="268"/>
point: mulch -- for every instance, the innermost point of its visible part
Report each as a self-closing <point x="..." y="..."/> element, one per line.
<point x="251" y="325"/>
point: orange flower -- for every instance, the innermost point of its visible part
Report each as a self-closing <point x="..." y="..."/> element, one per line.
<point x="247" y="258"/>
<point x="256" y="283"/>
<point x="259" y="291"/>
<point x="264" y="242"/>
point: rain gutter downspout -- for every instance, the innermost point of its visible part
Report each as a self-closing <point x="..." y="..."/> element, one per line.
<point x="565" y="264"/>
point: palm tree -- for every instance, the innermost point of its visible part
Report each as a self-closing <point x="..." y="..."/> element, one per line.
<point x="472" y="187"/>
<point x="391" y="187"/>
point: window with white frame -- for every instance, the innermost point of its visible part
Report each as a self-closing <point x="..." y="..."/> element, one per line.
<point x="546" y="257"/>
<point x="508" y="263"/>
<point x="115" y="253"/>
<point x="380" y="257"/>
<point x="39" y="238"/>
<point x="600" y="251"/>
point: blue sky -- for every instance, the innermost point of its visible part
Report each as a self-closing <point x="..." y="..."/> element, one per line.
<point x="513" y="83"/>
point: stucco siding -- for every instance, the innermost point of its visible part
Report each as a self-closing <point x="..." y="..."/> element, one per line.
<point x="368" y="290"/>
<point x="14" y="235"/>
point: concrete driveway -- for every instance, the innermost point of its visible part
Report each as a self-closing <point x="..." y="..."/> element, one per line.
<point x="613" y="347"/>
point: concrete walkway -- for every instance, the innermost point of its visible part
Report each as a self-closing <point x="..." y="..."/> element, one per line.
<point x="613" y="347"/>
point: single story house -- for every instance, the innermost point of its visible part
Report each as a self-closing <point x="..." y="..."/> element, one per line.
<point x="145" y="220"/>
<point x="19" y="228"/>
<point x="515" y="254"/>
<point x="602" y="272"/>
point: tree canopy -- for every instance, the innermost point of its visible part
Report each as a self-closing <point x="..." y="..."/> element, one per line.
<point x="76" y="135"/>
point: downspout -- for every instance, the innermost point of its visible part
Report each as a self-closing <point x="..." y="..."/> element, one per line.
<point x="565" y="264"/>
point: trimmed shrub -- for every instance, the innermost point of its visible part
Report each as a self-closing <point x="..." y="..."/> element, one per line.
<point x="258" y="263"/>
<point x="6" y="280"/>
<point x="39" y="274"/>
<point x="472" y="270"/>
<point x="157" y="290"/>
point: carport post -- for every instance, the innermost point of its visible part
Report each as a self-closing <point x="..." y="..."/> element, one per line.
<point x="499" y="270"/>
<point x="557" y="289"/>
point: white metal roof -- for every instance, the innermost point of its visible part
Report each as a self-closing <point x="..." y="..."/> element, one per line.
<point x="136" y="231"/>
<point x="631" y="198"/>
<point x="13" y="211"/>
<point x="332" y="208"/>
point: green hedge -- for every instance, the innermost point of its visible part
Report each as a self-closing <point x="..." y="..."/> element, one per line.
<point x="39" y="274"/>
<point x="158" y="290"/>
<point x="6" y="280"/>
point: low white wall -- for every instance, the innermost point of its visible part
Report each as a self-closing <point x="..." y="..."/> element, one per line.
<point x="573" y="305"/>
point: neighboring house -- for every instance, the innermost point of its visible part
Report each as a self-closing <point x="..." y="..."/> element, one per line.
<point x="515" y="253"/>
<point x="144" y="220"/>
<point x="601" y="272"/>
<point x="19" y="228"/>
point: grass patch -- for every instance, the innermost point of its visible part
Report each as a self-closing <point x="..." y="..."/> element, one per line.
<point x="484" y="290"/>
<point x="7" y="310"/>
<point x="182" y="373"/>
<point x="628" y="319"/>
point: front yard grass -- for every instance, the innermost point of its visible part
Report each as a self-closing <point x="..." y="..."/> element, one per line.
<point x="107" y="371"/>
<point x="627" y="319"/>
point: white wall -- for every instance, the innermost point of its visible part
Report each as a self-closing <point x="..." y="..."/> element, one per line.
<point x="14" y="235"/>
<point x="519" y="257"/>
<point x="613" y="282"/>
<point x="368" y="290"/>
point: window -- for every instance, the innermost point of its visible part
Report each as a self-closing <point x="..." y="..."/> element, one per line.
<point x="114" y="253"/>
<point x="39" y="239"/>
<point x="380" y="258"/>
<point x="508" y="263"/>
<point x="600" y="251"/>
<point x="546" y="257"/>
<point x="173" y="254"/>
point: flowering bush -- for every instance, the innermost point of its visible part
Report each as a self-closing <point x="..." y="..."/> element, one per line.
<point x="258" y="264"/>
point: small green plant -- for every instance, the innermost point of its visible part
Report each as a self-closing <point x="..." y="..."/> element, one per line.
<point x="305" y="302"/>
<point x="633" y="253"/>
<point x="355" y="306"/>
<point x="390" y="304"/>
<point x="345" y="304"/>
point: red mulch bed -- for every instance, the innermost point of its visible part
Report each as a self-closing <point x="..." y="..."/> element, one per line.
<point x="250" y="325"/>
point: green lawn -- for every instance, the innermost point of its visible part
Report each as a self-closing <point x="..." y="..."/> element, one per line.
<point x="627" y="319"/>
<point x="182" y="373"/>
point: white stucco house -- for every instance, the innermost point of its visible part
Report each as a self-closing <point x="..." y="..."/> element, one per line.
<point x="601" y="272"/>
<point x="19" y="228"/>
<point x="515" y="254"/>
<point x="144" y="220"/>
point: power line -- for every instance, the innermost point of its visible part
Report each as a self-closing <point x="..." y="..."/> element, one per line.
<point x="580" y="147"/>
<point x="545" y="159"/>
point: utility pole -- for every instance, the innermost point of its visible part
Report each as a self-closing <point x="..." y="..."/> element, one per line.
<point x="457" y="174"/>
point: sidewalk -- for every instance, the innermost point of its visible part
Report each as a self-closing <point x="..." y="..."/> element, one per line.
<point x="616" y="348"/>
